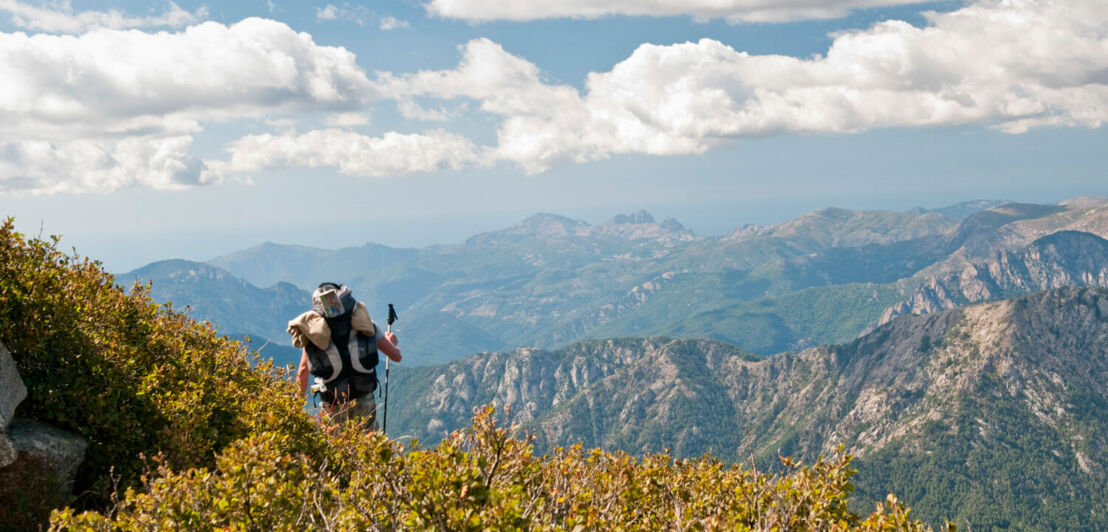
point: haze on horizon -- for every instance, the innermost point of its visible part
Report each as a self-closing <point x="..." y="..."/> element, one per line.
<point x="145" y="131"/>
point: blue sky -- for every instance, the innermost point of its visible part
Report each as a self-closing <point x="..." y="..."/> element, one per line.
<point x="144" y="131"/>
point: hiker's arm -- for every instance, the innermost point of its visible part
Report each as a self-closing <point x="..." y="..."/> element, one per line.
<point x="302" y="372"/>
<point x="387" y="345"/>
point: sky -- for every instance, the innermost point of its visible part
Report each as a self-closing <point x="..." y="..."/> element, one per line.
<point x="147" y="131"/>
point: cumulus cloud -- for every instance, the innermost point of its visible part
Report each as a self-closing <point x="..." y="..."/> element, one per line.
<point x="733" y="11"/>
<point x="110" y="109"/>
<point x="82" y="94"/>
<point x="412" y="110"/>
<point x="206" y="71"/>
<point x="62" y="19"/>
<point x="1010" y="64"/>
<point x="40" y="166"/>
<point x="347" y="119"/>
<point x="351" y="153"/>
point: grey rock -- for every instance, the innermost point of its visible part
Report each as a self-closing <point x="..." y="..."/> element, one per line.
<point x="12" y="390"/>
<point x="47" y="452"/>
<point x="1063" y="258"/>
<point x="7" y="450"/>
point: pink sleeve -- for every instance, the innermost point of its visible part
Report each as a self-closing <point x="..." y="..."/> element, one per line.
<point x="302" y="372"/>
<point x="390" y="350"/>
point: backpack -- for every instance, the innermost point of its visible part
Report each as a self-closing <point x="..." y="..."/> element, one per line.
<point x="347" y="368"/>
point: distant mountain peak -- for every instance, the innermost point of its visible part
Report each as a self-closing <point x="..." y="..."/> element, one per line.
<point x="545" y="223"/>
<point x="540" y="225"/>
<point x="960" y="211"/>
<point x="638" y="217"/>
<point x="1085" y="201"/>
<point x="673" y="225"/>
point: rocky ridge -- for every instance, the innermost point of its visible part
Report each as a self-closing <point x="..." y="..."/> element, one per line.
<point x="1063" y="258"/>
<point x="1014" y="387"/>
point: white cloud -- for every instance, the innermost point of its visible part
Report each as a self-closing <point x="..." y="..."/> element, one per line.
<point x="349" y="13"/>
<point x="329" y="12"/>
<point x="64" y="20"/>
<point x="733" y="11"/>
<point x="414" y="111"/>
<point x="347" y="119"/>
<point x="110" y="108"/>
<point x="206" y="71"/>
<point x="39" y="166"/>
<point x="351" y="153"/>
<point x="1010" y="64"/>
<point x="505" y="84"/>
<point x="391" y="23"/>
<point x="85" y="93"/>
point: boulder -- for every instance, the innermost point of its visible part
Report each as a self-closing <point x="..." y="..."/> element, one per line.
<point x="12" y="392"/>
<point x="7" y="450"/>
<point x="38" y="462"/>
<point x="45" y="453"/>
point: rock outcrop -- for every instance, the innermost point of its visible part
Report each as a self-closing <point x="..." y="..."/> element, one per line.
<point x="36" y="460"/>
<point x="44" y="452"/>
<point x="12" y="392"/>
<point x="1064" y="258"/>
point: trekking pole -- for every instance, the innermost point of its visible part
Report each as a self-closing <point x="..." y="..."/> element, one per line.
<point x="385" y="421"/>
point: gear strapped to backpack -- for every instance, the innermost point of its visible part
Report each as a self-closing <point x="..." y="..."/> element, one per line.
<point x="347" y="369"/>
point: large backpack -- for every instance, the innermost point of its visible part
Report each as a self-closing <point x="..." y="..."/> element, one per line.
<point x="347" y="368"/>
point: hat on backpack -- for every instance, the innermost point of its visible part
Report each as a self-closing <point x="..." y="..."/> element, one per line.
<point x="331" y="300"/>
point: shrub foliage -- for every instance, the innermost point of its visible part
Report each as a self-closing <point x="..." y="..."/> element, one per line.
<point x="483" y="479"/>
<point x="133" y="377"/>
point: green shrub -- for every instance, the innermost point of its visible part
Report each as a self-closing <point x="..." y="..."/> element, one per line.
<point x="131" y="376"/>
<point x="483" y="479"/>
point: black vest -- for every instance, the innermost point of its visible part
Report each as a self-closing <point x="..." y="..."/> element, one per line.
<point x="348" y="367"/>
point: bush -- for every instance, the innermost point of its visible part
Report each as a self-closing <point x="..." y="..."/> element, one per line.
<point x="131" y="376"/>
<point x="484" y="479"/>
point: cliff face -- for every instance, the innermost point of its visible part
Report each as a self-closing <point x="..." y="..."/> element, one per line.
<point x="963" y="394"/>
<point x="621" y="393"/>
<point x="1065" y="258"/>
<point x="863" y="394"/>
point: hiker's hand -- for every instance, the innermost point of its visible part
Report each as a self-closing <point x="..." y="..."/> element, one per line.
<point x="392" y="338"/>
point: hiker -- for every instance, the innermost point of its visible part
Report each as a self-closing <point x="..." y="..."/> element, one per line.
<point x="340" y="345"/>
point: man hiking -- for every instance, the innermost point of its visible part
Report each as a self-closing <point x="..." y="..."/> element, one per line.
<point x="340" y="345"/>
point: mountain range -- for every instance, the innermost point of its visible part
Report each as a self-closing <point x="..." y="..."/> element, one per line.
<point x="960" y="354"/>
<point x="549" y="281"/>
<point x="994" y="415"/>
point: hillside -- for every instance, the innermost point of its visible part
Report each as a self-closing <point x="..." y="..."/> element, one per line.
<point x="611" y="393"/>
<point x="996" y="414"/>
<point x="237" y="307"/>
<point x="1064" y="258"/>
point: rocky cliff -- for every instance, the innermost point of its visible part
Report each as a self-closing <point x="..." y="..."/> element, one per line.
<point x="995" y="404"/>
<point x="1064" y="258"/>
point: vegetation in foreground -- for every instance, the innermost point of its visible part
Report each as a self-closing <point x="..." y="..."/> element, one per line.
<point x="230" y="448"/>
<point x="483" y="479"/>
